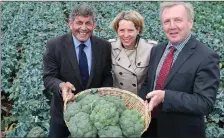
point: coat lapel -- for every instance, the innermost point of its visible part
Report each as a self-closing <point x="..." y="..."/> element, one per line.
<point x="123" y="61"/>
<point x="70" y="49"/>
<point x="121" y="57"/>
<point x="185" y="53"/>
<point x="96" y="51"/>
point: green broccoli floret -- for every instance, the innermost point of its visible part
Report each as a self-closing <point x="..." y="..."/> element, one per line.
<point x="36" y="132"/>
<point x="81" y="126"/>
<point x="94" y="90"/>
<point x="110" y="131"/>
<point x="88" y="102"/>
<point x="71" y="110"/>
<point x="119" y="103"/>
<point x="83" y="95"/>
<point x="132" y="123"/>
<point x="104" y="114"/>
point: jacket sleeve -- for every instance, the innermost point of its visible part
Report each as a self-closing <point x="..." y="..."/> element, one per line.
<point x="51" y="69"/>
<point x="201" y="101"/>
<point x="107" y="75"/>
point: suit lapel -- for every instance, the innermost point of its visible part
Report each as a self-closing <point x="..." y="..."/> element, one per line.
<point x="70" y="49"/>
<point x="185" y="53"/>
<point x="96" y="51"/>
<point x="158" y="52"/>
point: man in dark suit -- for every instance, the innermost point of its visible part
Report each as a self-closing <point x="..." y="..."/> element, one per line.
<point x="74" y="62"/>
<point x="183" y="78"/>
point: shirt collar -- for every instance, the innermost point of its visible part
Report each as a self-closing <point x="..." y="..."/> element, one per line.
<point x="77" y="42"/>
<point x="180" y="45"/>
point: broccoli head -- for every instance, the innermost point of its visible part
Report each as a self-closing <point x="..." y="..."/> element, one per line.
<point x="110" y="131"/>
<point x="88" y="102"/>
<point x="104" y="114"/>
<point x="71" y="110"/>
<point x="132" y="123"/>
<point x="81" y="126"/>
<point x="119" y="103"/>
<point x="83" y="95"/>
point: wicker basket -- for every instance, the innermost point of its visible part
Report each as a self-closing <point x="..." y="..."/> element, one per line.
<point x="131" y="101"/>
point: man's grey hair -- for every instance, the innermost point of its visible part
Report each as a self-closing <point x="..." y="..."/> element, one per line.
<point x="82" y="10"/>
<point x="188" y="7"/>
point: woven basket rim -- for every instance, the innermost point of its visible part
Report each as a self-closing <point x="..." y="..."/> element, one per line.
<point x="111" y="88"/>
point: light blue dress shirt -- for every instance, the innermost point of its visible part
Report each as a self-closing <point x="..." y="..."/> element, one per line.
<point x="87" y="50"/>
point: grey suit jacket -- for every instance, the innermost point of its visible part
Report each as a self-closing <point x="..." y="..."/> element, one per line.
<point x="61" y="65"/>
<point x="190" y="89"/>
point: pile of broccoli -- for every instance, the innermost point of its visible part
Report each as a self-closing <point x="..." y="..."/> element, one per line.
<point x="92" y="115"/>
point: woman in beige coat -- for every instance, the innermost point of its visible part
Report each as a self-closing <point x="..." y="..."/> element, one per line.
<point x="130" y="53"/>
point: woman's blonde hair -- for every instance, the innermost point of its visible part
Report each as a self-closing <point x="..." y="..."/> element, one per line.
<point x="132" y="16"/>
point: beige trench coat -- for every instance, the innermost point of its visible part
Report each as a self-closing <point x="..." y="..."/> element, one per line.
<point x="126" y="76"/>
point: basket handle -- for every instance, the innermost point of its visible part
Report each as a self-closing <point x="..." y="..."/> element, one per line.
<point x="147" y="111"/>
<point x="65" y="103"/>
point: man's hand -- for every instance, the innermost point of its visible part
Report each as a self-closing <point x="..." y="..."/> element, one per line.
<point x="66" y="89"/>
<point x="156" y="97"/>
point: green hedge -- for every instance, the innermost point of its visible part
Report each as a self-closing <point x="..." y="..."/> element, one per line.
<point x="26" y="26"/>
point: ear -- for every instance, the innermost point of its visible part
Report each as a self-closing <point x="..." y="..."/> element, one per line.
<point x="138" y="29"/>
<point x="94" y="25"/>
<point x="70" y="24"/>
<point x="191" y="22"/>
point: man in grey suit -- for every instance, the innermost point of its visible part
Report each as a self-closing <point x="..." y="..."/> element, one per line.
<point x="183" y="78"/>
<point x="74" y="62"/>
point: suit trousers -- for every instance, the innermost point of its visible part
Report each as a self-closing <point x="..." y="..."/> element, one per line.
<point x="58" y="130"/>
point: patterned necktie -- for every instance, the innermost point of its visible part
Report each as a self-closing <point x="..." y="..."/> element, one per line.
<point x="83" y="65"/>
<point x="164" y="71"/>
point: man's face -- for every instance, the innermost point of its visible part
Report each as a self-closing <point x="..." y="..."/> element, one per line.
<point x="82" y="27"/>
<point x="176" y="24"/>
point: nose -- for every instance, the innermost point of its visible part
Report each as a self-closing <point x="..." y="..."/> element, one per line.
<point x="172" y="24"/>
<point x="83" y="27"/>
<point x="126" y="34"/>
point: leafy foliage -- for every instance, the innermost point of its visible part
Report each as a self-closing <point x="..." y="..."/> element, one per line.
<point x="30" y="105"/>
<point x="11" y="37"/>
<point x="26" y="26"/>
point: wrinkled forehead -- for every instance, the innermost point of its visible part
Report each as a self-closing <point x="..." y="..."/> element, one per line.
<point x="176" y="11"/>
<point x="84" y="18"/>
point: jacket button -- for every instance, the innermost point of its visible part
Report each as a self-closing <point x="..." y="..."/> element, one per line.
<point x="139" y="63"/>
<point x="134" y="85"/>
<point x="121" y="83"/>
<point x="120" y="73"/>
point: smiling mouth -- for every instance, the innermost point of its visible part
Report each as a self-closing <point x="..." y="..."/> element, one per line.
<point x="126" y="41"/>
<point x="174" y="33"/>
<point x="82" y="33"/>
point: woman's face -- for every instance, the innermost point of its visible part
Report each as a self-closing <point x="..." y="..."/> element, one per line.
<point x="127" y="33"/>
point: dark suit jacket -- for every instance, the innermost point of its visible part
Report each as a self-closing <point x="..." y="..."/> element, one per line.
<point x="190" y="89"/>
<point x="61" y="65"/>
